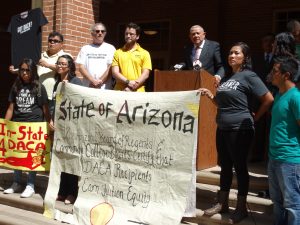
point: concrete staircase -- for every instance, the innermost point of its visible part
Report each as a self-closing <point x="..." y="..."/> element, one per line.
<point x="23" y="211"/>
<point x="259" y="209"/>
<point x="31" y="209"/>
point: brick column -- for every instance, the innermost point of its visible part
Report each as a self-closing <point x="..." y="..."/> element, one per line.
<point x="73" y="19"/>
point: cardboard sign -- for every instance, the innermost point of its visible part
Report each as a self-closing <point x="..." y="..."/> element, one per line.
<point x="24" y="146"/>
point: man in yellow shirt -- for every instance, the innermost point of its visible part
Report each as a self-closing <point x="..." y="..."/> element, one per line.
<point x="131" y="65"/>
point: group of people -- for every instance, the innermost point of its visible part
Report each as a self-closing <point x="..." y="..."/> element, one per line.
<point x="33" y="94"/>
<point x="277" y="92"/>
<point x="130" y="65"/>
<point x="127" y="69"/>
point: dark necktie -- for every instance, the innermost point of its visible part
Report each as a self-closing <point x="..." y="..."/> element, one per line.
<point x="267" y="58"/>
<point x="197" y="53"/>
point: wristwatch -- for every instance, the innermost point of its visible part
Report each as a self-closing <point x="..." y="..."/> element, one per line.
<point x="127" y="81"/>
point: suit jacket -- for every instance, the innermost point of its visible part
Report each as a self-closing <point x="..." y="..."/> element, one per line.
<point x="210" y="58"/>
<point x="261" y="67"/>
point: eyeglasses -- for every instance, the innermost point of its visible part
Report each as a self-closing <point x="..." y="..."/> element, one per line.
<point x="22" y="70"/>
<point x="98" y="31"/>
<point x="54" y="41"/>
<point x="61" y="64"/>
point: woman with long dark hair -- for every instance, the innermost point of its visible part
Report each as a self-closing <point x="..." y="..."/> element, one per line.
<point x="235" y="130"/>
<point x="27" y="103"/>
<point x="65" y="72"/>
<point x="285" y="46"/>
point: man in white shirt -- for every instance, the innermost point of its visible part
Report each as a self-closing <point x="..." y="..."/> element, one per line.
<point x="94" y="60"/>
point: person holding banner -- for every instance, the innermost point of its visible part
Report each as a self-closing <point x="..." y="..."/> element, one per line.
<point x="65" y="72"/>
<point x="27" y="103"/>
<point x="131" y="64"/>
<point x="235" y="130"/>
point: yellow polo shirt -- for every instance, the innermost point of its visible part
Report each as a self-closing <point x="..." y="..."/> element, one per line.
<point x="131" y="63"/>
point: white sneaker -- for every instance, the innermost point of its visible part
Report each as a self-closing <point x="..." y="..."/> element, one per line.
<point x="28" y="192"/>
<point x="15" y="188"/>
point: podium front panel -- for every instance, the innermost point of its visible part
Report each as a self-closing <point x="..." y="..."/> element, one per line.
<point x="192" y="80"/>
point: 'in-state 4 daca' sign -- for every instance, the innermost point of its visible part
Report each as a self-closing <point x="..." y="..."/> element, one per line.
<point x="24" y="146"/>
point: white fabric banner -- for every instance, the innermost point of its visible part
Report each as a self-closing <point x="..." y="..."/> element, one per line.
<point x="134" y="154"/>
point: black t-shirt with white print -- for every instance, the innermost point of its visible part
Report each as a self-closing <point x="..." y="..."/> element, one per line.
<point x="27" y="107"/>
<point x="26" y="35"/>
<point x="233" y="98"/>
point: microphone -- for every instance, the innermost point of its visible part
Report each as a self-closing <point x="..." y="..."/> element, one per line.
<point x="197" y="65"/>
<point x="179" y="66"/>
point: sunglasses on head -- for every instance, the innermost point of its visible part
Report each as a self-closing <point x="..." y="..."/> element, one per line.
<point x="98" y="31"/>
<point x="53" y="41"/>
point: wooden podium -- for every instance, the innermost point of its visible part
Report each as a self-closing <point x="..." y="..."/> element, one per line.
<point x="192" y="80"/>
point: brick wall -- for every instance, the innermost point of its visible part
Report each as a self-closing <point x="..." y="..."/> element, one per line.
<point x="73" y="19"/>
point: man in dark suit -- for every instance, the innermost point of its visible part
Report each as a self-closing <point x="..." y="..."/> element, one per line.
<point x="263" y="63"/>
<point x="262" y="66"/>
<point x="203" y="53"/>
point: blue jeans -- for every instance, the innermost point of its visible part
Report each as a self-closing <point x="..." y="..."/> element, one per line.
<point x="30" y="179"/>
<point x="284" y="185"/>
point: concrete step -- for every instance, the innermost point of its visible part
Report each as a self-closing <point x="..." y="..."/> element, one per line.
<point x="257" y="171"/>
<point x="16" y="216"/>
<point x="253" y="218"/>
<point x="261" y="209"/>
<point x="7" y="176"/>
<point x="208" y="194"/>
<point x="35" y="203"/>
